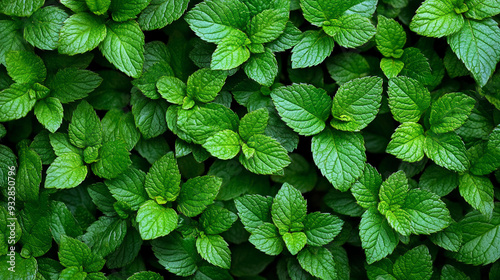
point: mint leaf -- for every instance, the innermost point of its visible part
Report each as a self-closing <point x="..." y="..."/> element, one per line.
<point x="438" y="180"/>
<point x="476" y="45"/>
<point x="25" y="67"/>
<point x="197" y="193"/>
<point x="125" y="10"/>
<point x="267" y="239"/>
<point x="377" y="237"/>
<point x="317" y="12"/>
<point x="477" y="191"/>
<point x="289" y="209"/>
<point x="29" y="174"/>
<point x="449" y="272"/>
<point x="416" y="66"/>
<point x="340" y="156"/>
<point x="390" y="37"/>
<point x="231" y="52"/>
<point x="21" y="8"/>
<point x="67" y="171"/>
<point x="481" y="9"/>
<point x="124" y="47"/>
<point x="215" y="20"/>
<point x="11" y="38"/>
<point x="449" y="238"/>
<point x="450" y="112"/>
<point x="253" y="123"/>
<point x="407" y="142"/>
<point x="163" y="179"/>
<point x="347" y="66"/>
<point x="71" y="84"/>
<point x="447" y="150"/>
<point x="393" y="193"/>
<point x="61" y="144"/>
<point x="49" y="112"/>
<point x="114" y="159"/>
<point x="304" y="108"/>
<point x="356" y="103"/>
<point x="128" y="187"/>
<point x="74" y="253"/>
<point x="172" y="89"/>
<point x="414" y="264"/>
<point x="294" y="241"/>
<point x="351" y="30"/>
<point x="319" y="262"/>
<point x="254" y="210"/>
<point x="215" y="250"/>
<point x="313" y="49"/>
<point x="16" y="102"/>
<point x="262" y="68"/>
<point x="177" y="253"/>
<point x="160" y="13"/>
<point x="289" y="38"/>
<point x="436" y="18"/>
<point x="427" y="212"/>
<point x="391" y="67"/>
<point x="105" y="235"/>
<point x="216" y="220"/>
<point x="149" y="115"/>
<point x="267" y="25"/>
<point x="150" y="76"/>
<point x="81" y="32"/>
<point x="117" y="125"/>
<point x="224" y="144"/>
<point x="268" y="156"/>
<point x="155" y="220"/>
<point x="321" y="228"/>
<point x="204" y="84"/>
<point x="408" y="99"/>
<point x="98" y="7"/>
<point x="366" y="188"/>
<point x="85" y="128"/>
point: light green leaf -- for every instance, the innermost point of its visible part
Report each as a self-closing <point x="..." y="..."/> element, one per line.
<point x="204" y="84"/>
<point x="267" y="25"/>
<point x="267" y="239"/>
<point x="289" y="38"/>
<point x="216" y="219"/>
<point x="317" y="12"/>
<point x="356" y="103"/>
<point x="81" y="32"/>
<point x="313" y="49"/>
<point x="20" y="8"/>
<point x="122" y="10"/>
<point x="416" y="264"/>
<point x="262" y="68"/>
<point x="477" y="191"/>
<point x="85" y="127"/>
<point x="177" y="253"/>
<point x="408" y="99"/>
<point x="98" y="7"/>
<point x="74" y="253"/>
<point x="163" y="179"/>
<point x="350" y="31"/>
<point x="289" y="209"/>
<point x="172" y="89"/>
<point x="105" y="235"/>
<point x="161" y="13"/>
<point x="377" y="237"/>
<point x="49" y="112"/>
<point x="366" y="188"/>
<point x="73" y="272"/>
<point x="11" y="38"/>
<point x="155" y="220"/>
<point x="253" y="123"/>
<point x="416" y="66"/>
<point x="118" y="125"/>
<point x="450" y="112"/>
<point x="477" y="46"/>
<point x="394" y="190"/>
<point x="224" y="144"/>
<point x="319" y="262"/>
<point x="76" y="6"/>
<point x="197" y="193"/>
<point x="25" y="67"/>
<point x="230" y="53"/>
<point x="390" y="37"/>
<point x="347" y="66"/>
<point x="449" y="238"/>
<point x="304" y="108"/>
<point x="436" y="18"/>
<point x="407" y="142"/>
<point x="67" y="171"/>
<point x="215" y="250"/>
<point x="295" y="241"/>
<point x="61" y="145"/>
<point x="254" y="210"/>
<point x="427" y="212"/>
<point x="124" y="47"/>
<point x="150" y="76"/>
<point x="15" y="102"/>
<point x="447" y="150"/>
<point x="128" y="187"/>
<point x="114" y="159"/>
<point x="481" y="9"/>
<point x="321" y="228"/>
<point x="391" y="67"/>
<point x="340" y="156"/>
<point x="269" y="156"/>
<point x="71" y="84"/>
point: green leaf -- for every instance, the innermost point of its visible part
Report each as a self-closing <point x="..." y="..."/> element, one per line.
<point x="319" y="262"/>
<point x="147" y="82"/>
<point x="393" y="193"/>
<point x="356" y="103"/>
<point x="481" y="9"/>
<point x="366" y="188"/>
<point x="289" y="209"/>
<point x="391" y="67"/>
<point x="216" y="220"/>
<point x="317" y="12"/>
<point x="477" y="191"/>
<point x="21" y="8"/>
<point x="155" y="220"/>
<point x="73" y="272"/>
<point x="340" y="156"/>
<point x="427" y="212"/>
<point x="449" y="238"/>
<point x="124" y="47"/>
<point x="124" y="10"/>
<point x="161" y="13"/>
<point x="480" y="240"/>
<point x="435" y="18"/>
<point x="390" y="37"/>
<point x="408" y="99"/>
<point x="72" y="84"/>
<point x="163" y="179"/>
<point x="313" y="49"/>
<point x="11" y="38"/>
<point x="62" y="222"/>
<point x="447" y="150"/>
<point x="350" y="31"/>
<point x="253" y="123"/>
<point x="450" y="112"/>
<point x="267" y="25"/>
<point x="295" y="241"/>
<point x="377" y="237"/>
<point x="416" y="264"/>
<point x="321" y="228"/>
<point x="215" y="20"/>
<point x="24" y="269"/>
<point x="81" y="32"/>
<point x="262" y="68"/>
<point x="289" y="38"/>
<point x="476" y="45"/>
<point x="85" y="128"/>
<point x="98" y="7"/>
<point x="118" y="125"/>
<point x="197" y="193"/>
<point x="347" y="66"/>
<point x="75" y="5"/>
<point x="61" y="145"/>
<point x="254" y="210"/>
<point x="74" y="253"/>
<point x="172" y="89"/>
<point x="438" y="180"/>
<point x="449" y="272"/>
<point x="129" y="188"/>
<point x="67" y="171"/>
<point x="25" y="67"/>
<point x="204" y="84"/>
<point x="114" y="159"/>
<point x="49" y="112"/>
<point x="269" y="156"/>
<point x="224" y="144"/>
<point x="416" y="66"/>
<point x="149" y="115"/>
<point x="267" y="239"/>
<point x="407" y="142"/>
<point x="29" y="174"/>
<point x="304" y="108"/>
<point x="230" y="53"/>
<point x="145" y="275"/>
<point x="177" y="253"/>
<point x="105" y="235"/>
<point x="15" y="102"/>
<point x="215" y="250"/>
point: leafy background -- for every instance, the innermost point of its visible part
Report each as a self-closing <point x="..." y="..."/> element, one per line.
<point x="250" y="139"/>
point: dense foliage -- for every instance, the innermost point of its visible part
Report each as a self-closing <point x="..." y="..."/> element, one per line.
<point x="249" y="139"/>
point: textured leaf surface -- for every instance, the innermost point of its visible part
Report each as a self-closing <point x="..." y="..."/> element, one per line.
<point x="215" y="250"/>
<point x="160" y="13"/>
<point x="478" y="192"/>
<point x="390" y="37"/>
<point x="25" y="67"/>
<point x="414" y="264"/>
<point x="267" y="26"/>
<point x="321" y="228"/>
<point x="366" y="188"/>
<point x="155" y="220"/>
<point x="163" y="179"/>
<point x="224" y="144"/>
<point x="436" y="18"/>
<point x="49" y="112"/>
<point x="450" y="112"/>
<point x="408" y="99"/>
<point x="197" y="193"/>
<point x="254" y="210"/>
<point x="71" y="84"/>
<point x="67" y="171"/>
<point x="177" y="254"/>
<point x="268" y="158"/>
<point x="447" y="150"/>
<point x="262" y="68"/>
<point x="407" y="142"/>
<point x="15" y="102"/>
<point x="85" y="128"/>
<point x="81" y="32"/>
<point x="129" y="188"/>
<point x="351" y="30"/>
<point x="267" y="238"/>
<point x="319" y="262"/>
<point x="289" y="209"/>
<point x="427" y="212"/>
<point x="313" y="49"/>
<point x="254" y="122"/>
<point x="377" y="237"/>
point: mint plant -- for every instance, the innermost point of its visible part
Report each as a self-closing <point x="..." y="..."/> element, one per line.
<point x="249" y="139"/>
